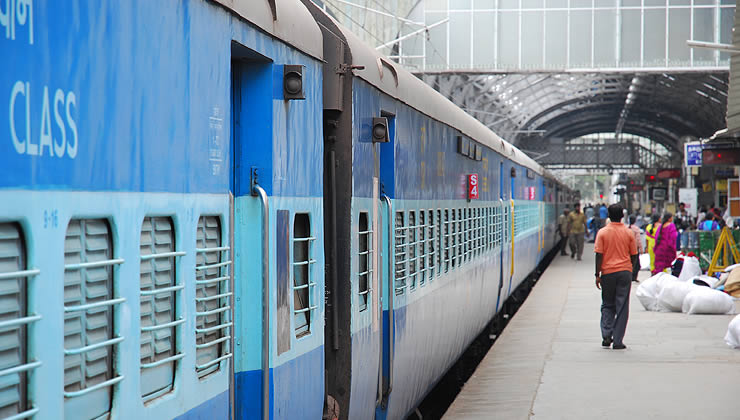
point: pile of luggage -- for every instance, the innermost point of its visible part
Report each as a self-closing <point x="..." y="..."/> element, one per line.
<point x="689" y="291"/>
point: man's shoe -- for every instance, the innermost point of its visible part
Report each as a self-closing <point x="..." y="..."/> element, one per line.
<point x="605" y="343"/>
<point x="579" y="258"/>
<point x="619" y="347"/>
<point x="572" y="256"/>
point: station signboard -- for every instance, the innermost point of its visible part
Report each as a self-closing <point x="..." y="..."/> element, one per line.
<point x="692" y="153"/>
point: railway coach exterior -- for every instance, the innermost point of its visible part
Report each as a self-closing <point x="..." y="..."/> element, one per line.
<point x="415" y="269"/>
<point x="131" y="263"/>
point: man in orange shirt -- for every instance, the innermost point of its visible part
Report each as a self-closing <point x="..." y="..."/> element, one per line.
<point x="616" y="252"/>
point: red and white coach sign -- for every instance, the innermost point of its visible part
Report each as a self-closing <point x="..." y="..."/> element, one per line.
<point x="473" y="187"/>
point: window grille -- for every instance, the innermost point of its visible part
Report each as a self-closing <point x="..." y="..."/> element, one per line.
<point x="213" y="316"/>
<point x="413" y="249"/>
<point x="400" y="253"/>
<point x="302" y="267"/>
<point x="460" y="237"/>
<point x="441" y="248"/>
<point x="14" y="321"/>
<point x="89" y="331"/>
<point x="453" y="239"/>
<point x="431" y="240"/>
<point x="364" y="260"/>
<point x="421" y="237"/>
<point x="158" y="302"/>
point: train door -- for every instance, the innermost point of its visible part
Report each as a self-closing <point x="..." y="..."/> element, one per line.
<point x="503" y="219"/>
<point x="385" y="166"/>
<point x="251" y="126"/>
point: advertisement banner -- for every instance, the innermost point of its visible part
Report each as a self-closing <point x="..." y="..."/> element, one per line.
<point x="689" y="196"/>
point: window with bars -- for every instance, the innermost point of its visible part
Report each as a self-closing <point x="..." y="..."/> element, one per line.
<point x="400" y="253"/>
<point x="431" y="254"/>
<point x="460" y="253"/>
<point x="453" y="238"/>
<point x="364" y="259"/>
<point x="159" y="297"/>
<point x="446" y="245"/>
<point x="441" y="237"/>
<point x="413" y="249"/>
<point x="302" y="268"/>
<point x="89" y="331"/>
<point x="421" y="238"/>
<point x="213" y="313"/>
<point x="14" y="320"/>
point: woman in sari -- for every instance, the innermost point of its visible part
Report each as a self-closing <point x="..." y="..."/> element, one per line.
<point x="650" y="239"/>
<point x="665" y="244"/>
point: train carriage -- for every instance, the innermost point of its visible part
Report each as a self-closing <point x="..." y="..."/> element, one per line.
<point x="435" y="265"/>
<point x="133" y="136"/>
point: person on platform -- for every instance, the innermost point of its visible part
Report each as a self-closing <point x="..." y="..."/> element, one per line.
<point x="576" y="231"/>
<point x="563" y="230"/>
<point x="701" y="215"/>
<point x="665" y="244"/>
<point x="650" y="239"/>
<point x="616" y="254"/>
<point x="603" y="213"/>
<point x="709" y="223"/>
<point x="636" y="231"/>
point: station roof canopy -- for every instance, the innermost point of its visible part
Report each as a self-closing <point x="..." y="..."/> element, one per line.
<point x="661" y="106"/>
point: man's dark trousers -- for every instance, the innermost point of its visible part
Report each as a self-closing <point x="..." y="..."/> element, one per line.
<point x="615" y="304"/>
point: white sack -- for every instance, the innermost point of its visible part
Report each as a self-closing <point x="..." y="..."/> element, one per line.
<point x="672" y="295"/>
<point x="703" y="280"/>
<point x="732" y="338"/>
<point x="703" y="300"/>
<point x="644" y="261"/>
<point x="648" y="290"/>
<point x="690" y="269"/>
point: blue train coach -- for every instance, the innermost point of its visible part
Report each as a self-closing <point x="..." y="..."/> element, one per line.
<point x="134" y="136"/>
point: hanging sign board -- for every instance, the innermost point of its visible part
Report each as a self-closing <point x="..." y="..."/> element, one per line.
<point x="473" y="187"/>
<point x="692" y="153"/>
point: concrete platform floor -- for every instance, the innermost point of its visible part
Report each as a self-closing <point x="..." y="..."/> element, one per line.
<point x="549" y="364"/>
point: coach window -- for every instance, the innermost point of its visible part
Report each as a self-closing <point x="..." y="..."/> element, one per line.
<point x="431" y="249"/>
<point x="413" y="249"/>
<point x="14" y="276"/>
<point x="213" y="313"/>
<point x="159" y="302"/>
<point x="364" y="260"/>
<point x="303" y="264"/>
<point x="90" y="340"/>
<point x="400" y="253"/>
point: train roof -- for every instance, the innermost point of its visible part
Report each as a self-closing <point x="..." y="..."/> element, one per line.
<point x="291" y="23"/>
<point x="395" y="81"/>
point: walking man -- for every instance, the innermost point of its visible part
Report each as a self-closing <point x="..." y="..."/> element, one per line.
<point x="616" y="253"/>
<point x="576" y="231"/>
<point x="563" y="230"/>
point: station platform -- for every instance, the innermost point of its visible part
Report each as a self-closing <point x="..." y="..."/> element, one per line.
<point x="549" y="364"/>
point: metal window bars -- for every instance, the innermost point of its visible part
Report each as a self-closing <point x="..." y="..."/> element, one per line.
<point x="20" y="322"/>
<point x="158" y="301"/>
<point x="422" y="247"/>
<point x="84" y="308"/>
<point x="364" y="261"/>
<point x="210" y="333"/>
<point x="460" y="240"/>
<point x="446" y="240"/>
<point x="300" y="288"/>
<point x="431" y="255"/>
<point x="413" y="249"/>
<point x="400" y="253"/>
